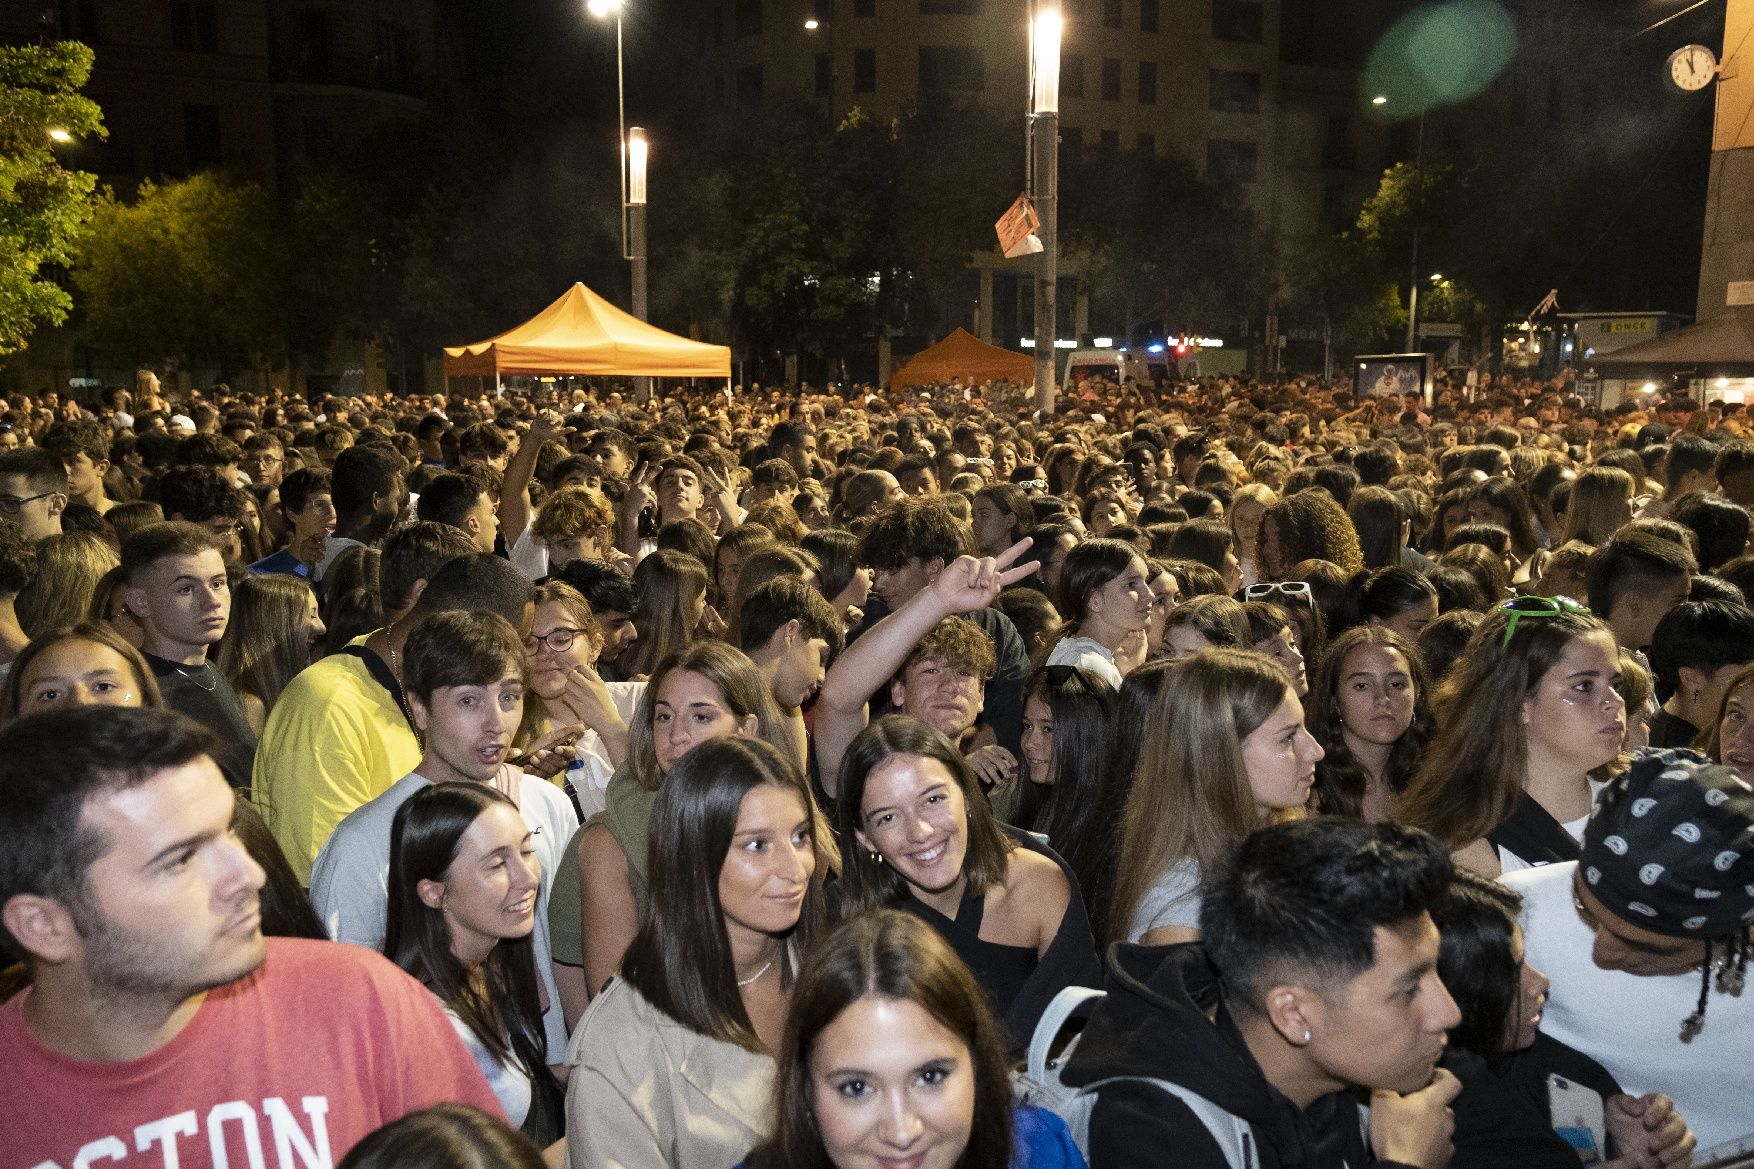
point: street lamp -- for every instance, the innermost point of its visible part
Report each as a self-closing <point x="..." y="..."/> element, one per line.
<point x="60" y="135"/>
<point x="603" y="10"/>
<point x="637" y="149"/>
<point x="1044" y="111"/>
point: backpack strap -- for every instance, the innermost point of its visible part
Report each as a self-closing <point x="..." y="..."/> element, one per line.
<point x="1233" y="1135"/>
<point x="1072" y="1002"/>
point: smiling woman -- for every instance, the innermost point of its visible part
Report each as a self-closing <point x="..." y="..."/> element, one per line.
<point x="893" y="1057"/>
<point x="920" y="836"/>
<point x="463" y="884"/>
<point x="705" y="986"/>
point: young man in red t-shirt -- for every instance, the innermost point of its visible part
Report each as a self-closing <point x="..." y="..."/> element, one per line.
<point x="161" y="1028"/>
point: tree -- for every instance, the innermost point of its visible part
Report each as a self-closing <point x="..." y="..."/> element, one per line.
<point x="184" y="273"/>
<point x="1165" y="247"/>
<point x="43" y="205"/>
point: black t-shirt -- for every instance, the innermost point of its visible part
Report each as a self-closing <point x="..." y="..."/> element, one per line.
<point x="202" y="693"/>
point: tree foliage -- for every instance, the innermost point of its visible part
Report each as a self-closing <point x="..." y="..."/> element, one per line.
<point x="187" y="272"/>
<point x="43" y="205"/>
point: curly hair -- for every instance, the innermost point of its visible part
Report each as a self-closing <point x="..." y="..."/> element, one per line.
<point x="1310" y="525"/>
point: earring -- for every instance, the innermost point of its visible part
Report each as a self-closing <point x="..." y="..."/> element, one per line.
<point x="1306" y="1036"/>
<point x="876" y="858"/>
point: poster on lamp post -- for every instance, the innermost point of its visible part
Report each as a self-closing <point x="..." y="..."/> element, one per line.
<point x="1381" y="375"/>
<point x="1017" y="228"/>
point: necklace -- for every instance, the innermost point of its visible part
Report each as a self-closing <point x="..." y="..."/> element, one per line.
<point x="756" y="975"/>
<point x="202" y="677"/>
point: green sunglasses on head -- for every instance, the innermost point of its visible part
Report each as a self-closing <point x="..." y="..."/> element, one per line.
<point x="1521" y="607"/>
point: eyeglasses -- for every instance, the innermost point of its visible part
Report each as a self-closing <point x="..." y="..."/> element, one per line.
<point x="555" y="640"/>
<point x="11" y="505"/>
<point x="1522" y="607"/>
<point x="1280" y="588"/>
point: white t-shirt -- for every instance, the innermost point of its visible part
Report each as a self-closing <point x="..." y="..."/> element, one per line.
<point x="529" y="557"/>
<point x="1173" y="900"/>
<point x="1631" y="1023"/>
<point x="1086" y="653"/>
<point x="509" y="1081"/>
<point x="351" y="877"/>
<point x="590" y="772"/>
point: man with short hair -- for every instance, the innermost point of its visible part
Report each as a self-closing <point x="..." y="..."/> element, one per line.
<point x="202" y="496"/>
<point x="340" y="733"/>
<point x="370" y="493"/>
<point x="83" y="445"/>
<point x="1689" y="465"/>
<point x="174" y="583"/>
<point x="464" y="684"/>
<point x="936" y="664"/>
<point x="264" y="460"/>
<point x="791" y="634"/>
<point x="612" y="600"/>
<point x="460" y="500"/>
<point x="1638" y="931"/>
<point x="159" y="1025"/>
<point x="1734" y="471"/>
<point x="33" y="491"/>
<point x="1695" y="650"/>
<point x="1634" y="580"/>
<point x="1316" y="980"/>
<point x="773" y="480"/>
<point x="794" y="442"/>
<point x="309" y="511"/>
<point x="908" y="545"/>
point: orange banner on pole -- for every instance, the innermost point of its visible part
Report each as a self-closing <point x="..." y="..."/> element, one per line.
<point x="1017" y="228"/>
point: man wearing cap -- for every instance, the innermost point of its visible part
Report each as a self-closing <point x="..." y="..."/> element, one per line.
<point x="1646" y="937"/>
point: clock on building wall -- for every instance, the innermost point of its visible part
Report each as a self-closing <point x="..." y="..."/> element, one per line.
<point x="1691" y="68"/>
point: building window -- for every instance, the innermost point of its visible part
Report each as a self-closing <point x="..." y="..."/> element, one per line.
<point x="202" y="144"/>
<point x="1238" y="20"/>
<point x="824" y="75"/>
<point x="1337" y="152"/>
<point x="1228" y="161"/>
<point x="950" y="7"/>
<point x="1236" y="92"/>
<point x="1111" y="79"/>
<point x="1072" y="75"/>
<point x="1148" y="83"/>
<point x="78" y="20"/>
<point x="864" y="8"/>
<point x="1071" y="143"/>
<point x="1111" y="13"/>
<point x="1109" y="142"/>
<point x="194" y="28"/>
<point x="749" y="86"/>
<point x="1147" y="15"/>
<point x="748" y="18"/>
<point x="864" y="70"/>
<point x="1146" y="144"/>
<point x="395" y="64"/>
<point x="951" y="69"/>
<point x="824" y="10"/>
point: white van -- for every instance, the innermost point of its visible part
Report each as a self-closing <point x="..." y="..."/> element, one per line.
<point x="1117" y="365"/>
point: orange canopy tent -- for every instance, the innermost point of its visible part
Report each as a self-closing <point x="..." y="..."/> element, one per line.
<point x="581" y="335"/>
<point x="963" y="355"/>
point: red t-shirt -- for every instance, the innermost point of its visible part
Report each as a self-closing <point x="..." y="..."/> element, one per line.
<point x="287" y="1068"/>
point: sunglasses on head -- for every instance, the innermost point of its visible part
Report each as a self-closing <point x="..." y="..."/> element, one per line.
<point x="1060" y="675"/>
<point x="1261" y="590"/>
<point x="1521" y="607"/>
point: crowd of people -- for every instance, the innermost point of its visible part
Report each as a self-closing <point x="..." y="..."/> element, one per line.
<point x="1239" y="773"/>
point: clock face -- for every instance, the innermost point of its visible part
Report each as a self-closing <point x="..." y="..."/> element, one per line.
<point x="1692" y="68"/>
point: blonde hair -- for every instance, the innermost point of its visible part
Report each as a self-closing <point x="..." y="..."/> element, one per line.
<point x="1600" y="501"/>
<point x="1191" y="798"/>
<point x="265" y="644"/>
<point x="69" y="567"/>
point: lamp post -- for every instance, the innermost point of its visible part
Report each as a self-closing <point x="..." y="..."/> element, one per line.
<point x="1418" y="211"/>
<point x="1044" y="113"/>
<point x="631" y="150"/>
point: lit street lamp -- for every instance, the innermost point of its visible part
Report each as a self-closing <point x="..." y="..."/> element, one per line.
<point x="60" y="135"/>
<point x="636" y="215"/>
<point x="603" y="10"/>
<point x="1044" y="112"/>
